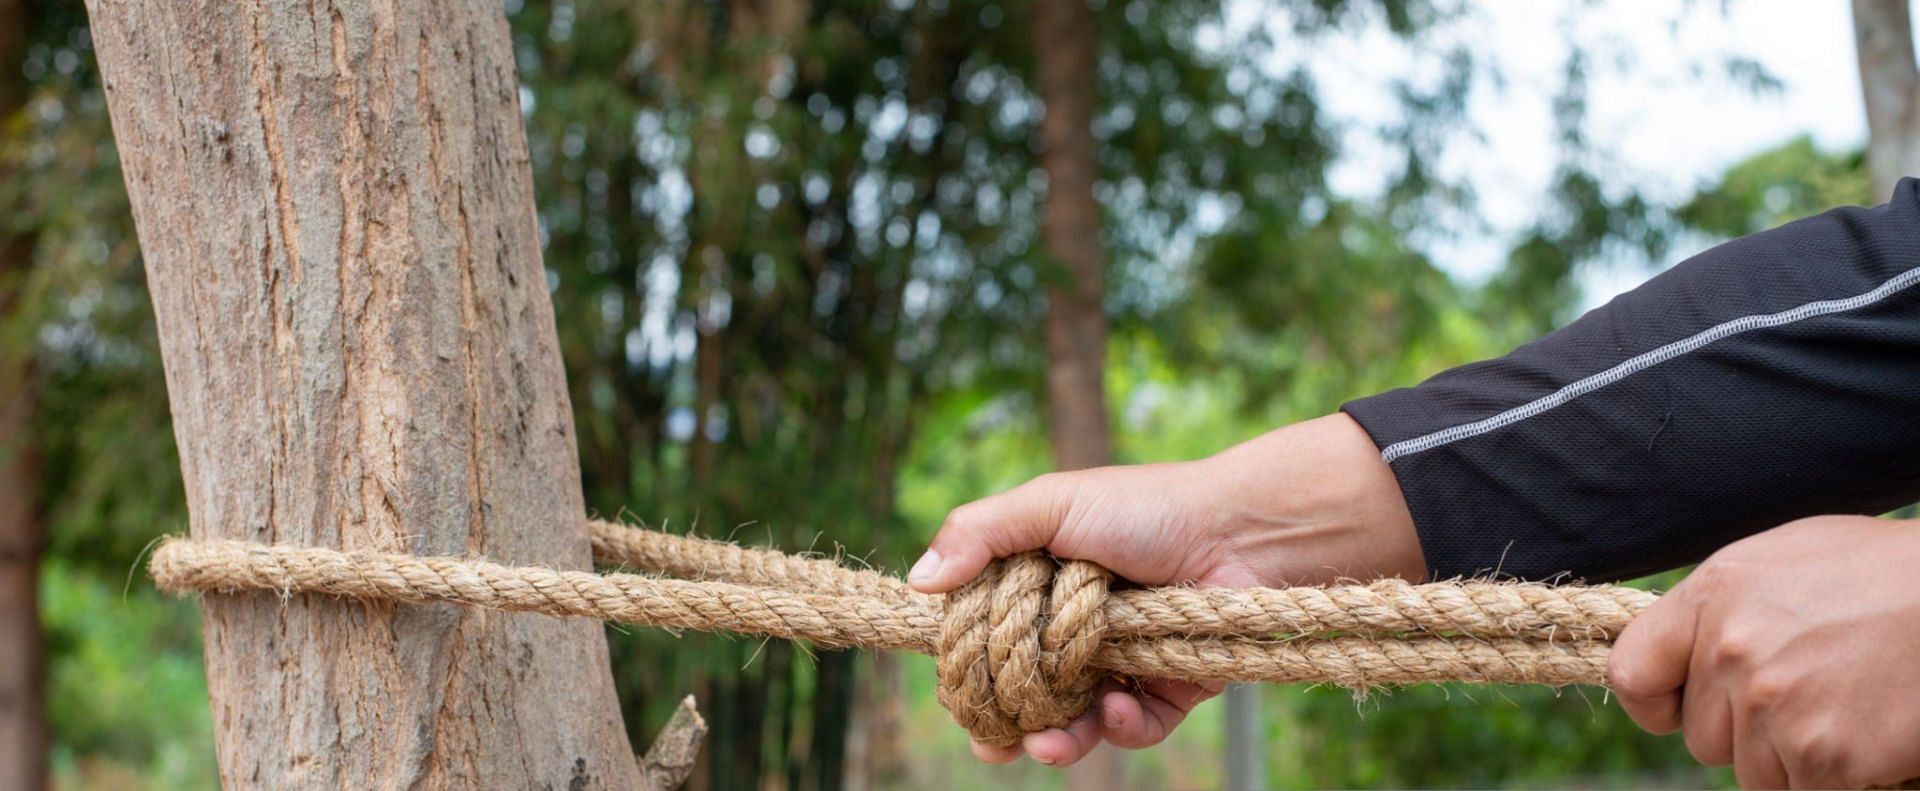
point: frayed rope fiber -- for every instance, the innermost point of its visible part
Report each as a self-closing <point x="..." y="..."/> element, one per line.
<point x="1019" y="649"/>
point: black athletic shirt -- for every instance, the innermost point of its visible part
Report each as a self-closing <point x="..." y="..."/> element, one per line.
<point x="1767" y="379"/>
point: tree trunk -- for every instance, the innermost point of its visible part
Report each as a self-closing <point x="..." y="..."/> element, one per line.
<point x="1890" y="86"/>
<point x="23" y="722"/>
<point x="23" y="718"/>
<point x="336" y="211"/>
<point x="16" y="20"/>
<point x="1070" y="231"/>
<point x="1076" y="322"/>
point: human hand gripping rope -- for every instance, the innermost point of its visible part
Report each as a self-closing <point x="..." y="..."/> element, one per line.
<point x="1022" y="647"/>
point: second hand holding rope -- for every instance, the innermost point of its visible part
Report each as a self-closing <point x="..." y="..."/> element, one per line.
<point x="1022" y="647"/>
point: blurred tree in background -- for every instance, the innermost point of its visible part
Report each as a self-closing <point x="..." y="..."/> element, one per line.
<point x="787" y="234"/>
<point x="1777" y="186"/>
<point x="795" y="253"/>
<point x="125" y="694"/>
<point x="23" y="736"/>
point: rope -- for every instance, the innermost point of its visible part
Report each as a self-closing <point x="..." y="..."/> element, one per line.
<point x="1019" y="649"/>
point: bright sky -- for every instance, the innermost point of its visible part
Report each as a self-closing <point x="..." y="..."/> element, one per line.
<point x="1670" y="121"/>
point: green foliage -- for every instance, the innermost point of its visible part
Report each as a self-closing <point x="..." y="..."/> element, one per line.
<point x="127" y="697"/>
<point x="1586" y="220"/>
<point x="1467" y="737"/>
<point x="1337" y="302"/>
<point x="1794" y="180"/>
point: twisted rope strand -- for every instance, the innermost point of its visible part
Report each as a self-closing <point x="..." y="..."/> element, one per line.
<point x="830" y="620"/>
<point x="1488" y="609"/>
<point x="1364" y="662"/>
<point x="691" y="558"/>
<point x="1019" y="649"/>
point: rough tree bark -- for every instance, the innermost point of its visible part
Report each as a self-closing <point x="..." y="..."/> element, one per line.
<point x="1076" y="322"/>
<point x="336" y="211"/>
<point x="1890" y="86"/>
<point x="23" y="720"/>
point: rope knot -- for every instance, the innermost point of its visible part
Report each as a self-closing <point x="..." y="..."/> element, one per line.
<point x="1017" y="645"/>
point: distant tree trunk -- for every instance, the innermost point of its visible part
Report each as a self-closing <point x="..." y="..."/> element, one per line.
<point x="876" y="750"/>
<point x="23" y="719"/>
<point x="1063" y="47"/>
<point x="1070" y="230"/>
<point x="16" y="19"/>
<point x="1890" y="85"/>
<point x="336" y="212"/>
<point x="23" y="725"/>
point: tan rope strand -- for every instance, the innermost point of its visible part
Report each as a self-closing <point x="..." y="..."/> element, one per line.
<point x="1489" y="609"/>
<point x="1486" y="609"/>
<point x="1019" y="649"/>
<point x="831" y="620"/>
<point x="1362" y="663"/>
<point x="691" y="558"/>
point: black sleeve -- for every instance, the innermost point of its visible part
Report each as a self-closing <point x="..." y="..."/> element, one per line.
<point x="1767" y="379"/>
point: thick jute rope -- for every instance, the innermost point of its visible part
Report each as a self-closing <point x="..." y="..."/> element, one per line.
<point x="1022" y="647"/>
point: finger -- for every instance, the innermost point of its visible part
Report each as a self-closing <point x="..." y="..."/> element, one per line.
<point x="1134" y="719"/>
<point x="1127" y="721"/>
<point x="1707" y="724"/>
<point x="1822" y="767"/>
<point x="1026" y="517"/>
<point x="993" y="755"/>
<point x="1875" y="757"/>
<point x="1063" y="746"/>
<point x="1756" y="764"/>
<point x="1650" y="661"/>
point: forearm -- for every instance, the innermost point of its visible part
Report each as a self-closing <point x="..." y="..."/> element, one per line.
<point x="1771" y="378"/>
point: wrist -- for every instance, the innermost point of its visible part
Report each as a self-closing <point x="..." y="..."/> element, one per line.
<point x="1317" y="501"/>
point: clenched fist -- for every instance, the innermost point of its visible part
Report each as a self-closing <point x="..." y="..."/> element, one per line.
<point x="1303" y="505"/>
<point x="1793" y="655"/>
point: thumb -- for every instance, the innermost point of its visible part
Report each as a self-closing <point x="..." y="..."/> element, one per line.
<point x="1648" y="669"/>
<point x="1026" y="517"/>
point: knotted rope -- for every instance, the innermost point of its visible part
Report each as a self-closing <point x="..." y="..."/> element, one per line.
<point x="1022" y="647"/>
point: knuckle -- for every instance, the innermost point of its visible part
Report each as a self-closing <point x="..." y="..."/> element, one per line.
<point x="1739" y="644"/>
<point x="1628" y="677"/>
<point x="1766" y="690"/>
<point x="1817" y="750"/>
<point x="1731" y="652"/>
<point x="1854" y="774"/>
<point x="1707" y="579"/>
<point x="1825" y="751"/>
<point x="1719" y="579"/>
<point x="964" y="519"/>
<point x="1049" y="479"/>
<point x="1060" y="488"/>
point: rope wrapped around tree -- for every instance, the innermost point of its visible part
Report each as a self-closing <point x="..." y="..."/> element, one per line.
<point x="1021" y="648"/>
